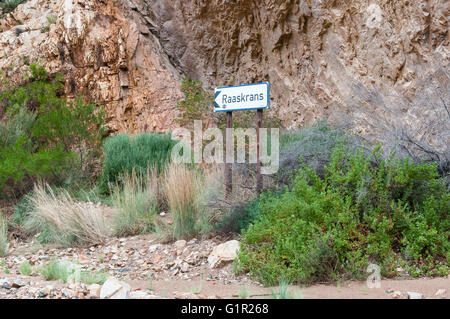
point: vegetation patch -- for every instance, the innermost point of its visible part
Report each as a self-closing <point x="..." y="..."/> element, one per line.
<point x="240" y="218"/>
<point x="9" y="5"/>
<point x="365" y="209"/>
<point x="43" y="136"/>
<point x="183" y="189"/>
<point x="66" y="270"/>
<point x="25" y="268"/>
<point x="59" y="219"/>
<point x="137" y="202"/>
<point x="123" y="154"/>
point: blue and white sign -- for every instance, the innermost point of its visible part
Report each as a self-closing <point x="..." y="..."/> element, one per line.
<point x="241" y="97"/>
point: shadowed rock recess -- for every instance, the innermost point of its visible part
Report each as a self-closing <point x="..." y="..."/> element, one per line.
<point x="348" y="61"/>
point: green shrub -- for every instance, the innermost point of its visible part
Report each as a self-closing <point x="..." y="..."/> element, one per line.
<point x="21" y="209"/>
<point x="90" y="278"/>
<point x="364" y="209"/>
<point x="25" y="268"/>
<point x="66" y="270"/>
<point x="53" y="271"/>
<point x="313" y="145"/>
<point x="123" y="154"/>
<point x="44" y="136"/>
<point x="240" y="217"/>
<point x="10" y="5"/>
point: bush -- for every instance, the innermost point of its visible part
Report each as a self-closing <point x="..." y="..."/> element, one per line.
<point x="25" y="268"/>
<point x="21" y="210"/>
<point x="44" y="136"/>
<point x="240" y="218"/>
<point x="61" y="220"/>
<point x="310" y="146"/>
<point x="137" y="202"/>
<point x="123" y="154"/>
<point x="365" y="209"/>
<point x="9" y="5"/>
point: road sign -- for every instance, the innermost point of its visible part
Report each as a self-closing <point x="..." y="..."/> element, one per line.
<point x="241" y="97"/>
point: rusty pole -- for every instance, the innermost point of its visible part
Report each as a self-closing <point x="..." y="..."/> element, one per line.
<point x="229" y="151"/>
<point x="259" y="181"/>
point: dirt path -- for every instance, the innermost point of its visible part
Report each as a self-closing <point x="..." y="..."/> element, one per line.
<point x="349" y="290"/>
<point x="174" y="270"/>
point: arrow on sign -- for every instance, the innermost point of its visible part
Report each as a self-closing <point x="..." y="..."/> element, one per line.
<point x="241" y="97"/>
<point x="215" y="98"/>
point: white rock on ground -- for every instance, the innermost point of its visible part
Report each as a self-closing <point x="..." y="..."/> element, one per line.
<point x="414" y="295"/>
<point x="440" y="293"/>
<point x="223" y="253"/>
<point x="396" y="294"/>
<point x="94" y="290"/>
<point x="115" y="289"/>
<point x="139" y="295"/>
<point x="180" y="244"/>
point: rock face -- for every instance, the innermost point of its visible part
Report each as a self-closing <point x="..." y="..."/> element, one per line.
<point x="103" y="54"/>
<point x="324" y="59"/>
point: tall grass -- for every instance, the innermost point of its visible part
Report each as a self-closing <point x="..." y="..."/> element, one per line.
<point x="180" y="190"/>
<point x="284" y="292"/>
<point x="3" y="236"/>
<point x="125" y="153"/>
<point x="62" y="220"/>
<point x="137" y="201"/>
<point x="183" y="188"/>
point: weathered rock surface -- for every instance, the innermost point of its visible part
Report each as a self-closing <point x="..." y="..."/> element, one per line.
<point x="115" y="289"/>
<point x="414" y="295"/>
<point x="223" y="253"/>
<point x="94" y="290"/>
<point x="104" y="55"/>
<point x="345" y="60"/>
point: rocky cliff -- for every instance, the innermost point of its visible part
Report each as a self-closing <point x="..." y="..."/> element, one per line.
<point x="342" y="60"/>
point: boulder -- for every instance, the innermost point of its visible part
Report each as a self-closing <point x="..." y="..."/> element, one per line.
<point x="223" y="253"/>
<point x="115" y="289"/>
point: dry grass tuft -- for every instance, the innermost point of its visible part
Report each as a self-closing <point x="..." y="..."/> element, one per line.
<point x="184" y="189"/>
<point x="62" y="220"/>
<point x="137" y="200"/>
<point x="180" y="190"/>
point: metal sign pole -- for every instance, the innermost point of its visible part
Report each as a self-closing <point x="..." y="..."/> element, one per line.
<point x="239" y="98"/>
<point x="229" y="151"/>
<point x="259" y="181"/>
